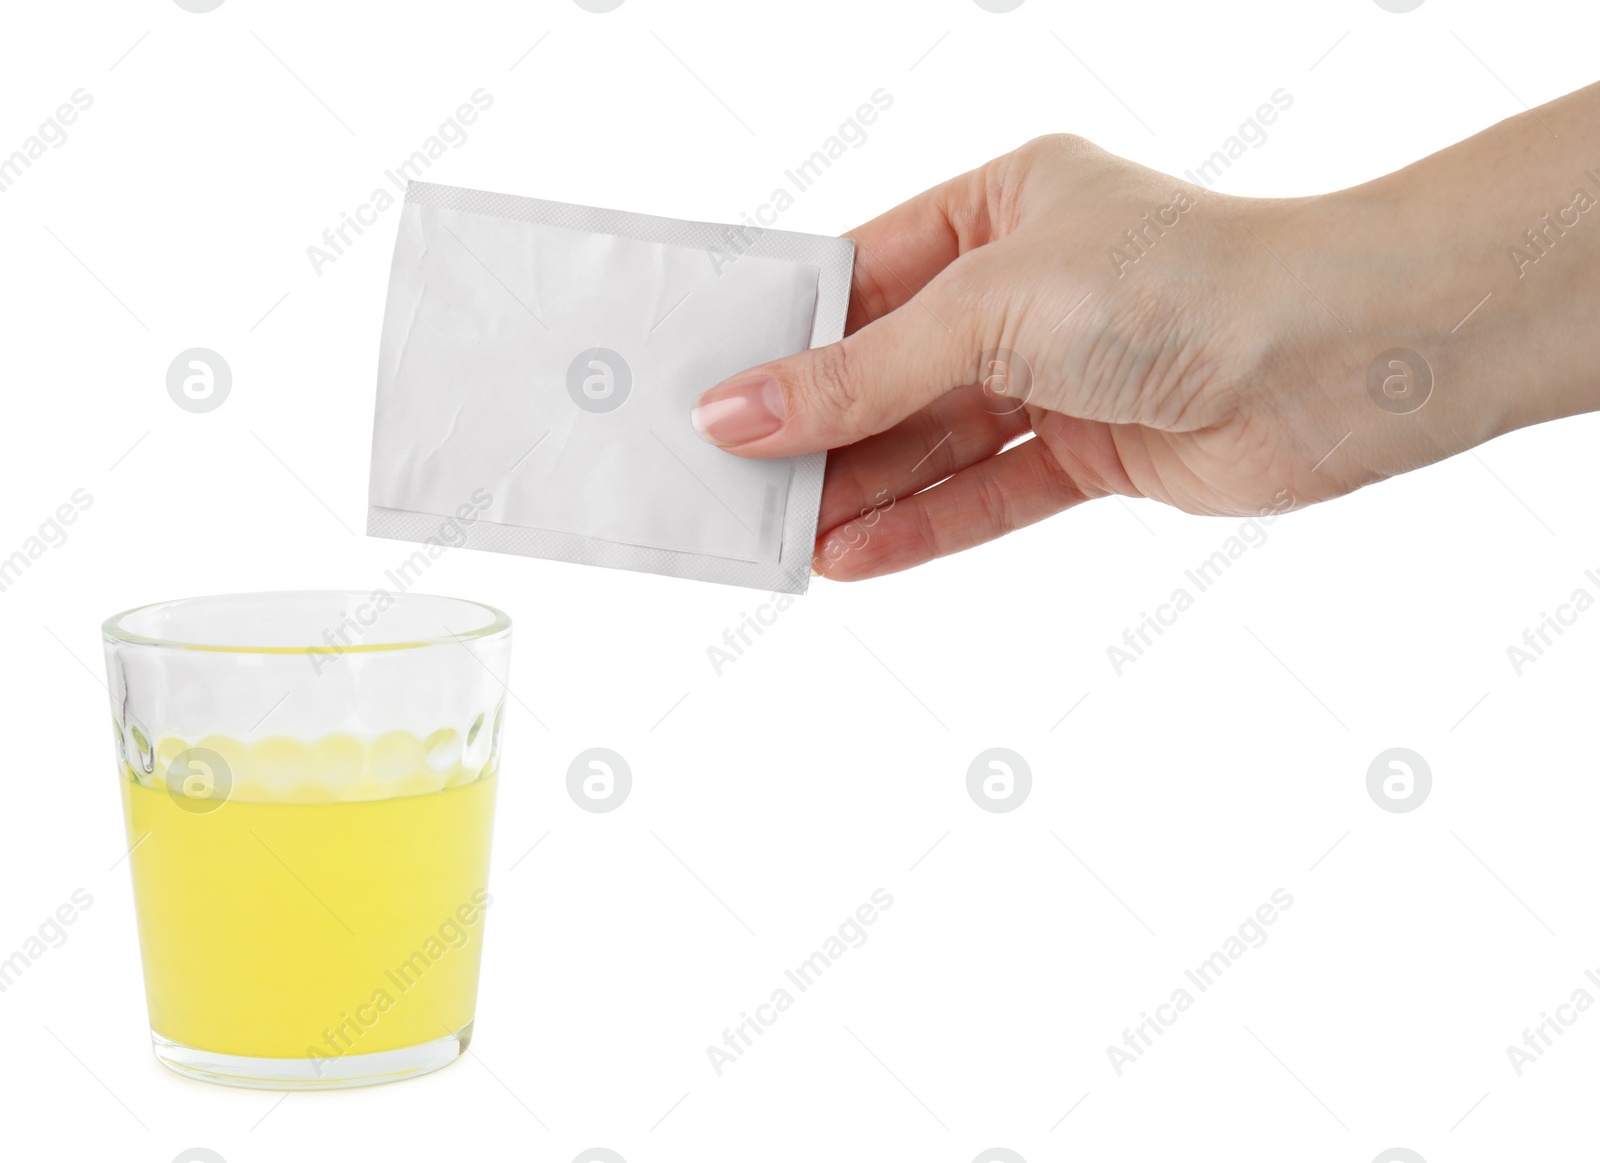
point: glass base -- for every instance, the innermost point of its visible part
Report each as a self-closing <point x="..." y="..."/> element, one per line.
<point x="311" y="1073"/>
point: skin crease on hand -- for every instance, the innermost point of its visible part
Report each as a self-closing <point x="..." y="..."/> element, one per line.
<point x="1221" y="365"/>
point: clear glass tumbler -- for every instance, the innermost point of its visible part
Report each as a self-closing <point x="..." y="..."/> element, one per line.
<point x="309" y="782"/>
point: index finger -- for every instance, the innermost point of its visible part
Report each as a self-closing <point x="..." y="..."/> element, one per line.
<point x="900" y="251"/>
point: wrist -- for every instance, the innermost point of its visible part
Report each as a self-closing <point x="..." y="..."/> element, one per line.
<point x="1426" y="320"/>
<point x="1368" y="368"/>
<point x="1487" y="253"/>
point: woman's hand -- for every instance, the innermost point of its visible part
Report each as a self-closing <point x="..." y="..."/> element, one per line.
<point x="1225" y="355"/>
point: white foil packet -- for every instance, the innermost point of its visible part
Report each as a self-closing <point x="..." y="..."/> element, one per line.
<point x="536" y="371"/>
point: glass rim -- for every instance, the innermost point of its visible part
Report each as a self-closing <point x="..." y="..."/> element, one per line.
<point x="113" y="629"/>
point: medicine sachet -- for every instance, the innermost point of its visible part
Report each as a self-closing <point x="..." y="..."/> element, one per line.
<point x="537" y="367"/>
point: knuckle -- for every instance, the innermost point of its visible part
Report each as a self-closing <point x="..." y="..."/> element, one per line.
<point x="869" y="291"/>
<point x="924" y="534"/>
<point x="831" y="389"/>
<point x="1055" y="145"/>
<point x="970" y="296"/>
<point x="994" y="507"/>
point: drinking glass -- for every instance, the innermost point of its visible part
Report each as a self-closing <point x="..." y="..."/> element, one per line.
<point x="308" y="781"/>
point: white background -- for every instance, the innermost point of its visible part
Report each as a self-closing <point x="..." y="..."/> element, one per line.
<point x="830" y="759"/>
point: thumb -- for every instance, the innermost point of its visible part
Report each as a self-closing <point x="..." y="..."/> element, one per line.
<point x="835" y="395"/>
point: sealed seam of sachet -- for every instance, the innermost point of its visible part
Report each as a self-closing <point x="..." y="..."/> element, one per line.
<point x="536" y="372"/>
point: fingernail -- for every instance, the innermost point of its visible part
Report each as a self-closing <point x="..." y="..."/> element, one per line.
<point x="739" y="410"/>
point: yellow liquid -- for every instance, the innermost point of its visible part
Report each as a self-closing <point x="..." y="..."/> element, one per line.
<point x="307" y="929"/>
